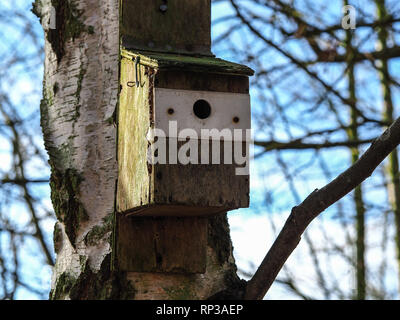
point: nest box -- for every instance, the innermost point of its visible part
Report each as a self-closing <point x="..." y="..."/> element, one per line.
<point x="200" y="102"/>
<point x="171" y="175"/>
<point x="171" y="82"/>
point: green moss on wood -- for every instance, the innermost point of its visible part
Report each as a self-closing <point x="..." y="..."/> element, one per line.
<point x="165" y="61"/>
<point x="235" y="288"/>
<point x="219" y="240"/>
<point x="218" y="237"/>
<point x="98" y="232"/>
<point x="64" y="181"/>
<point x="64" y="195"/>
<point x="89" y="285"/>
<point x="61" y="157"/>
<point x="57" y="237"/>
<point x="45" y="104"/>
<point x="90" y="29"/>
<point x="183" y="292"/>
<point x="83" y="261"/>
<point x="64" y="284"/>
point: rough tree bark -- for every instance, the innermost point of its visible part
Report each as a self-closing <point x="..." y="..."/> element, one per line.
<point x="80" y="97"/>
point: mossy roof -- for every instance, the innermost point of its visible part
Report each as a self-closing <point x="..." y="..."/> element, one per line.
<point x="168" y="61"/>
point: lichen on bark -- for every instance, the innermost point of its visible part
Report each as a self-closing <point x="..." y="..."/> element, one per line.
<point x="218" y="237"/>
<point x="79" y="92"/>
<point x="99" y="231"/>
<point x="81" y="75"/>
<point x="102" y="285"/>
<point x="57" y="237"/>
<point x="64" y="195"/>
<point x="64" y="181"/>
<point x="219" y="240"/>
<point x="69" y="24"/>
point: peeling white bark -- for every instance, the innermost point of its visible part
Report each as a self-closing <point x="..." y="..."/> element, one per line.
<point x="87" y="77"/>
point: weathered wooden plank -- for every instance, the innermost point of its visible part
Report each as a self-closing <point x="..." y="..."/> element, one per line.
<point x="201" y="185"/>
<point x="173" y="245"/>
<point x="134" y="179"/>
<point x="186" y="63"/>
<point x="162" y="31"/>
<point x="188" y="80"/>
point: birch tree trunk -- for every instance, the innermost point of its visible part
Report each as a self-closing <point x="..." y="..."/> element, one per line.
<point x="80" y="97"/>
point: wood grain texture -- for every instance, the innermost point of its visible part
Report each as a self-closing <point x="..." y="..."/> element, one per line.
<point x="201" y="185"/>
<point x="134" y="179"/>
<point x="184" y="27"/>
<point x="172" y="245"/>
<point x="189" y="80"/>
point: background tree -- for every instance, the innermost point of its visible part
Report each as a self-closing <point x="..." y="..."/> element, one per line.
<point x="309" y="69"/>
<point x="26" y="250"/>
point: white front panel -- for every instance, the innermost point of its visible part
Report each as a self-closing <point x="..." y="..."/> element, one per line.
<point x="228" y="111"/>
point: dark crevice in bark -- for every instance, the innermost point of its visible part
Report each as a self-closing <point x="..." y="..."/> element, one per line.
<point x="235" y="288"/>
<point x="101" y="285"/>
<point x="219" y="239"/>
<point x="64" y="195"/>
<point x="68" y="24"/>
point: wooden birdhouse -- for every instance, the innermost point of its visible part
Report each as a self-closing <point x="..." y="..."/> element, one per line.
<point x="172" y="84"/>
<point x="201" y="99"/>
<point x="183" y="120"/>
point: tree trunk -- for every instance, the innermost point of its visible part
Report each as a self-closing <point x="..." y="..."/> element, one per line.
<point x="353" y="135"/>
<point x="393" y="163"/>
<point x="80" y="97"/>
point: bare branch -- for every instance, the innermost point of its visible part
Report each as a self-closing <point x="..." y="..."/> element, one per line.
<point x="299" y="145"/>
<point x="302" y="215"/>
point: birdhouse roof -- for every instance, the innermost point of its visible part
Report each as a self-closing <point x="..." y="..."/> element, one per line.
<point x="168" y="61"/>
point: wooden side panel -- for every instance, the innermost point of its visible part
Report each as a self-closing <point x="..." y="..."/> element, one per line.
<point x="134" y="179"/>
<point x="183" y="27"/>
<point x="175" y="245"/>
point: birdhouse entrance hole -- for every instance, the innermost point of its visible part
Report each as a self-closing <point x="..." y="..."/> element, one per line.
<point x="202" y="109"/>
